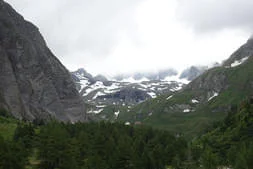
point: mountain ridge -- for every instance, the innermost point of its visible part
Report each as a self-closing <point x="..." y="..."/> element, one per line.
<point x="105" y="98"/>
<point x="205" y="99"/>
<point x="34" y="84"/>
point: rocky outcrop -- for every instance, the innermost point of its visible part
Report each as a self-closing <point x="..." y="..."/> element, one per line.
<point x="34" y="84"/>
<point x="83" y="73"/>
<point x="210" y="81"/>
<point x="127" y="95"/>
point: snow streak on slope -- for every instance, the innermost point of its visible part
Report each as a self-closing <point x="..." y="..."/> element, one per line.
<point x="239" y="62"/>
<point x="214" y="95"/>
<point x="99" y="92"/>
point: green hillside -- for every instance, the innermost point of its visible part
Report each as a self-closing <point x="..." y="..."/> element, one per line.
<point x="229" y="142"/>
<point x="179" y="114"/>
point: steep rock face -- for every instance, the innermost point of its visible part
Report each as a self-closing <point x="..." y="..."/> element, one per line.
<point x="210" y="81"/>
<point x="34" y="84"/>
<point x="127" y="95"/>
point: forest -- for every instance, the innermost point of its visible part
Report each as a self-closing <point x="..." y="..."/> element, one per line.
<point x="104" y="145"/>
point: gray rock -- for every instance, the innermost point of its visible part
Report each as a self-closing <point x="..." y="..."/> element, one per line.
<point x="34" y="84"/>
<point x="127" y="95"/>
<point x="210" y="81"/>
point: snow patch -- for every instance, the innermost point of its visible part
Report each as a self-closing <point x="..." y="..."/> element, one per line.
<point x="187" y="110"/>
<point x="127" y="123"/>
<point x="214" y="95"/>
<point x="106" y="89"/>
<point x="84" y="82"/>
<point x="98" y="94"/>
<point x="195" y="101"/>
<point x="168" y="98"/>
<point x="116" y="114"/>
<point x="95" y="86"/>
<point x="146" y="85"/>
<point x="114" y="86"/>
<point x="239" y="62"/>
<point x="176" y="89"/>
<point x="101" y="106"/>
<point x="132" y="80"/>
<point x="95" y="111"/>
<point x="152" y="94"/>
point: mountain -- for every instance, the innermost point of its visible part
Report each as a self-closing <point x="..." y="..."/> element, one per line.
<point x="127" y="91"/>
<point x="107" y="96"/>
<point x="204" y="100"/>
<point x="34" y="84"/>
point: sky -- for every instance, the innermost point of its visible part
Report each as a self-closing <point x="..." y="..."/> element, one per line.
<point x="119" y="36"/>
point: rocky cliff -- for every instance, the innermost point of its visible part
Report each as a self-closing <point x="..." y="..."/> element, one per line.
<point x="33" y="82"/>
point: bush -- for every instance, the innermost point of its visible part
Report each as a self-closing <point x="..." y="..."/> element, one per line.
<point x="4" y="113"/>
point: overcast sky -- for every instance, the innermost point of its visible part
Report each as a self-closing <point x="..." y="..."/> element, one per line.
<point x="113" y="36"/>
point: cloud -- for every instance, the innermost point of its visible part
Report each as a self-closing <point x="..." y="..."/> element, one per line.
<point x="117" y="36"/>
<point x="80" y="26"/>
<point x="215" y="15"/>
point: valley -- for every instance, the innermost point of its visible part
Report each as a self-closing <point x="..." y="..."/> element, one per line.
<point x="50" y="118"/>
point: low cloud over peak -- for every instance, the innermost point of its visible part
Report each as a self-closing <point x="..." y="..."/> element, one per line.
<point x="215" y="15"/>
<point x="131" y="35"/>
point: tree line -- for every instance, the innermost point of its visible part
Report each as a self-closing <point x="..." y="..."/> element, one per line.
<point x="92" y="146"/>
<point x="104" y="145"/>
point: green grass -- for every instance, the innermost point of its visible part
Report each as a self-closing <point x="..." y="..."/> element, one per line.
<point x="239" y="86"/>
<point x="188" y="124"/>
<point x="7" y="127"/>
<point x="33" y="162"/>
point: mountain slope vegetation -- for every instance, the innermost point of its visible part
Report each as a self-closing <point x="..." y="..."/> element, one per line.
<point x="229" y="142"/>
<point x="89" y="145"/>
<point x="206" y="99"/>
<point x="226" y="144"/>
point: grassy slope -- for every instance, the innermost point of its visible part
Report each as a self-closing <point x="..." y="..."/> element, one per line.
<point x="7" y="127"/>
<point x="240" y="82"/>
